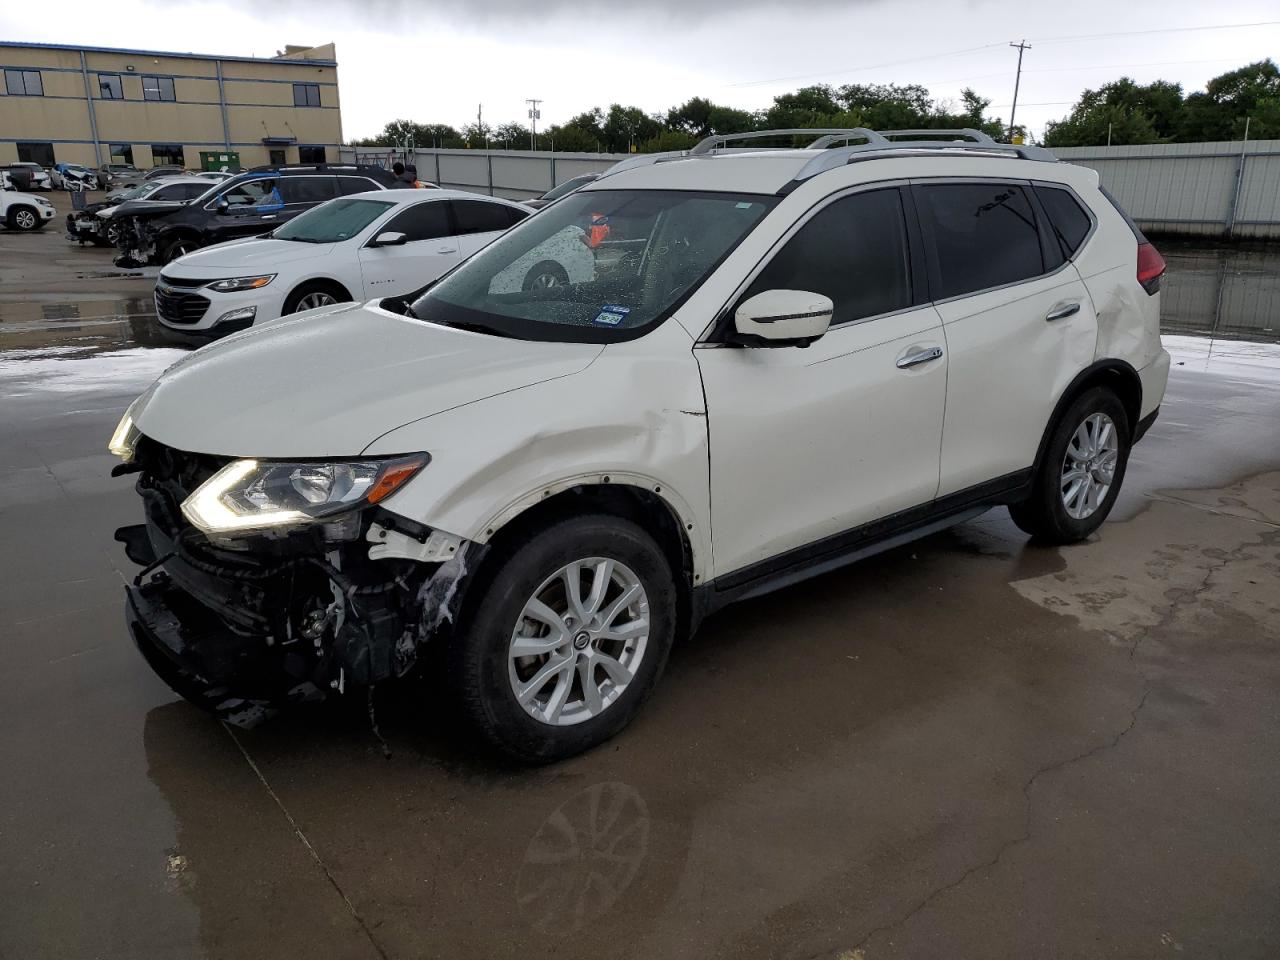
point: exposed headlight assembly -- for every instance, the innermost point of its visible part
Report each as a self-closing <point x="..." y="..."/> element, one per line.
<point x="125" y="438"/>
<point x="236" y="284"/>
<point x="248" y="495"/>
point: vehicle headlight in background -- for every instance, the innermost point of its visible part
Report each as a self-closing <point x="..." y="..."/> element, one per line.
<point x="42" y="201"/>
<point x="259" y="494"/>
<point x="125" y="438"/>
<point x="242" y="283"/>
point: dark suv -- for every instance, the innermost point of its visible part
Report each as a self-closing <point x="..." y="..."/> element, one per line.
<point x="249" y="204"/>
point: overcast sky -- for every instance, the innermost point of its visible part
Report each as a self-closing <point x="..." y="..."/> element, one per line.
<point x="435" y="62"/>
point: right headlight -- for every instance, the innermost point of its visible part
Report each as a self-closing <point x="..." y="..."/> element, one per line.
<point x="248" y="495"/>
<point x="236" y="284"/>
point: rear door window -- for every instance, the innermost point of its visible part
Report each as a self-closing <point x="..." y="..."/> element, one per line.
<point x="476" y="216"/>
<point x="350" y="185"/>
<point x="422" y="221"/>
<point x="1070" y="222"/>
<point x="980" y="235"/>
<point x="854" y="251"/>
<point x="307" y="189"/>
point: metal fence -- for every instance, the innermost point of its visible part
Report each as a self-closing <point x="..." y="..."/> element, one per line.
<point x="1226" y="189"/>
<point x="1223" y="189"/>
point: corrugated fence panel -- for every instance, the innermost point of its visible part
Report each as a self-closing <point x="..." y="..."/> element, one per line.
<point x="1167" y="187"/>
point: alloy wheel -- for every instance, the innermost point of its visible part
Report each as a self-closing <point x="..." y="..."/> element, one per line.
<point x="579" y="641"/>
<point x="545" y="281"/>
<point x="1089" y="466"/>
<point x="25" y="219"/>
<point x="317" y="299"/>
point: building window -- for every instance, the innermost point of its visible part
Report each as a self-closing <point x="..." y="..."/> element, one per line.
<point x="24" y="83"/>
<point x="311" y="155"/>
<point x="167" y="154"/>
<point x="306" y="95"/>
<point x="109" y="86"/>
<point x="122" y="153"/>
<point x="157" y="88"/>
<point x="275" y="158"/>
<point x="41" y="153"/>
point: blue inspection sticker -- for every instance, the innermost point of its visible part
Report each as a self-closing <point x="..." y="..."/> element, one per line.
<point x="611" y="315"/>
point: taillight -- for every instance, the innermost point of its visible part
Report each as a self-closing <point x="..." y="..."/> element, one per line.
<point x="1151" y="267"/>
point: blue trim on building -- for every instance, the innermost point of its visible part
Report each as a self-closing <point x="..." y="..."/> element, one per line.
<point x="175" y="76"/>
<point x="163" y="53"/>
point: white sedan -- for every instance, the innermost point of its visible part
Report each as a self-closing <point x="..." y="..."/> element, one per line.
<point x="382" y="243"/>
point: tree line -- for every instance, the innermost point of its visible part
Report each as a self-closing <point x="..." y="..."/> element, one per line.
<point x="628" y="129"/>
<point x="1122" y="112"/>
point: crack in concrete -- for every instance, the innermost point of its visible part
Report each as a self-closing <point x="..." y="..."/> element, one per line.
<point x="1176" y="603"/>
<point x="315" y="854"/>
<point x="1026" y="832"/>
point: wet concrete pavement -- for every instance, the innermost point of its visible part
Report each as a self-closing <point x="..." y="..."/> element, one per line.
<point x="969" y="747"/>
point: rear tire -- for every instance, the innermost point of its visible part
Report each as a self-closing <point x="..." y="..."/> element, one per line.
<point x="618" y="641"/>
<point x="1080" y="475"/>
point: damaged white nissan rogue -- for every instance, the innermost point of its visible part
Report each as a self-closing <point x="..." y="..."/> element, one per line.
<point x="783" y="361"/>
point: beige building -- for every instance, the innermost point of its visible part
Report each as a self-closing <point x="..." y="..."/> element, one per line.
<point x="92" y="105"/>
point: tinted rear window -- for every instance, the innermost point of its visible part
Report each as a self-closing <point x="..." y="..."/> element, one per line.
<point x="1069" y="220"/>
<point x="307" y="189"/>
<point x="982" y="235"/>
<point x="476" y="216"/>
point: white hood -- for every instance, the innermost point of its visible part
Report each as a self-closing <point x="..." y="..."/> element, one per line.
<point x="328" y="383"/>
<point x="244" y="257"/>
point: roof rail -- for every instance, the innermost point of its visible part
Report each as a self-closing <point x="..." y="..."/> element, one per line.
<point x="977" y="136"/>
<point x="825" y="135"/>
<point x="839" y="156"/>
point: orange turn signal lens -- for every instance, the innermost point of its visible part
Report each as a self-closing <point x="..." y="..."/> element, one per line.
<point x="393" y="478"/>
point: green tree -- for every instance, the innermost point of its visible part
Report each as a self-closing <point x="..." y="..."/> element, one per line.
<point x="511" y="136"/>
<point x="568" y="138"/>
<point x="477" y="136"/>
<point x="625" y="127"/>
<point x="699" y="117"/>
<point x="1219" y="112"/>
<point x="814" y="106"/>
<point x="1126" y="109"/>
<point x="667" y="141"/>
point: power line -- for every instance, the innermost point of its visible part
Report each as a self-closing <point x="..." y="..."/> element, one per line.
<point x="989" y="46"/>
<point x="1138" y="33"/>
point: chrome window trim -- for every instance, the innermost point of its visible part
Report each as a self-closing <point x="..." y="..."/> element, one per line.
<point x="818" y="206"/>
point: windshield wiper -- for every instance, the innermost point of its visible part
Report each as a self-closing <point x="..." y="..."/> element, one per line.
<point x="301" y="239"/>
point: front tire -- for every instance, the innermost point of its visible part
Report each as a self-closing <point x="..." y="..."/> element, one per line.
<point x="1080" y="475"/>
<point x="565" y="638"/>
<point x="177" y="247"/>
<point x="24" y="218"/>
<point x="545" y="276"/>
<point x="311" y="296"/>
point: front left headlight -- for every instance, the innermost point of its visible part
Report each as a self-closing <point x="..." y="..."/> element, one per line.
<point x="236" y="284"/>
<point x="248" y="495"/>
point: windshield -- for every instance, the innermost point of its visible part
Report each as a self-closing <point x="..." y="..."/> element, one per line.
<point x="599" y="266"/>
<point x="137" y="193"/>
<point x="334" y="221"/>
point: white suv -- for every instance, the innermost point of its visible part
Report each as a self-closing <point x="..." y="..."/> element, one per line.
<point x="783" y="361"/>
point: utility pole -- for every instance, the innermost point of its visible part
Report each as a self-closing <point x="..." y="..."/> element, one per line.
<point x="534" y="114"/>
<point x="480" y="124"/>
<point x="1023" y="46"/>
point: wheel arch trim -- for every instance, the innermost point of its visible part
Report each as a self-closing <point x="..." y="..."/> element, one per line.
<point x="697" y="540"/>
<point x="1096" y="373"/>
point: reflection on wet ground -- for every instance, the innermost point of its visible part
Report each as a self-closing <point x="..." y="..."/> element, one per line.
<point x="971" y="746"/>
<point x="1225" y="290"/>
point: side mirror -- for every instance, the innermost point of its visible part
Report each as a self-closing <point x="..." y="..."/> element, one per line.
<point x="390" y="238"/>
<point x="223" y="205"/>
<point x="783" y="318"/>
